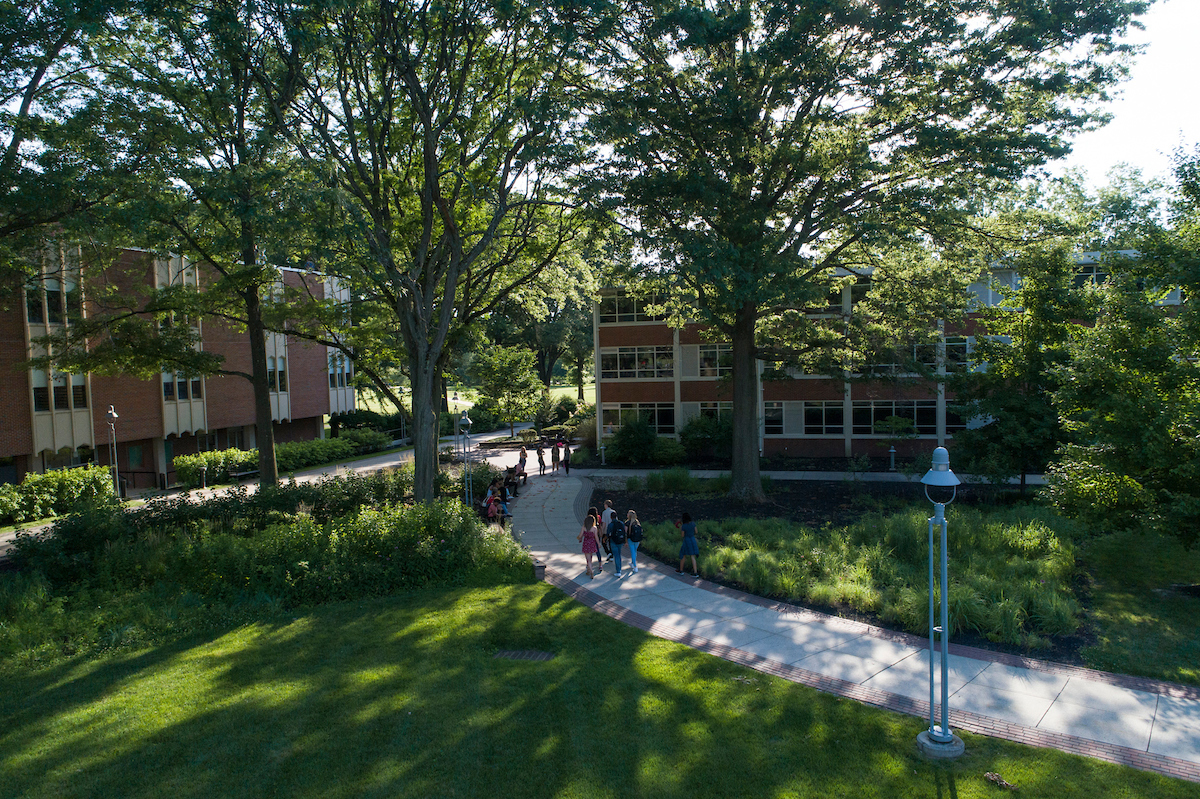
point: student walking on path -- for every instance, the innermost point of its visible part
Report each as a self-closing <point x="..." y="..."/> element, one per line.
<point x="616" y="539"/>
<point x="633" y="532"/>
<point x="554" y="456"/>
<point x="690" y="546"/>
<point x="541" y="460"/>
<point x="605" y="520"/>
<point x="589" y="536"/>
<point x="567" y="458"/>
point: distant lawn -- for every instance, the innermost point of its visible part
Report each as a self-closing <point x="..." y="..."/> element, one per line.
<point x="403" y="697"/>
<point x="572" y="391"/>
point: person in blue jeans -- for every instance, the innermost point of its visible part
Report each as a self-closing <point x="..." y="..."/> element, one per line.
<point x="633" y="534"/>
<point x="616" y="539"/>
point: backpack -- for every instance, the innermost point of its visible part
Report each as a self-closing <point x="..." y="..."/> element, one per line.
<point x="635" y="533"/>
<point x="616" y="531"/>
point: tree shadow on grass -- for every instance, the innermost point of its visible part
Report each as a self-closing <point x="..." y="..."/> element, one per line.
<point x="404" y="697"/>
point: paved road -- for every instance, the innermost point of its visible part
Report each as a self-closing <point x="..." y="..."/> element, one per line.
<point x="1144" y="723"/>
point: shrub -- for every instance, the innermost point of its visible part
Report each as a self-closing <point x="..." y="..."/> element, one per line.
<point x="1080" y="487"/>
<point x="359" y="419"/>
<point x="708" y="438"/>
<point x="564" y="408"/>
<point x="633" y="442"/>
<point x="679" y="481"/>
<point x="295" y="455"/>
<point x="633" y="483"/>
<point x="367" y="440"/>
<point x="220" y="463"/>
<point x="485" y="415"/>
<point x="667" y="451"/>
<point x="54" y="493"/>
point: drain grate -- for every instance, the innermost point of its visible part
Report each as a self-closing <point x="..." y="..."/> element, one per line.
<point x="524" y="654"/>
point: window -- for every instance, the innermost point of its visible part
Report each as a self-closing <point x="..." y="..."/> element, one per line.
<point x="872" y="417"/>
<point x="181" y="386"/>
<point x="197" y="388"/>
<point x="773" y="418"/>
<point x="34" y="311"/>
<point x="717" y="410"/>
<point x="62" y="395"/>
<point x="169" y="388"/>
<point x="206" y="442"/>
<point x="54" y="302"/>
<point x="716" y="360"/>
<point x="236" y="439"/>
<point x="621" y="307"/>
<point x="271" y="374"/>
<point x="659" y="415"/>
<point x="281" y="375"/>
<point x="637" y="362"/>
<point x="79" y="394"/>
<point x="1090" y="274"/>
<point x="135" y="455"/>
<point x="823" y="418"/>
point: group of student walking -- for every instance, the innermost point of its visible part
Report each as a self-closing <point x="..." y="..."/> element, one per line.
<point x="606" y="532"/>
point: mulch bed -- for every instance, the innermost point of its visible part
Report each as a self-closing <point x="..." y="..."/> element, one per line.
<point x="816" y="503"/>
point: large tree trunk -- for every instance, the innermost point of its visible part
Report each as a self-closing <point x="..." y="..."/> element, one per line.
<point x="424" y="427"/>
<point x="746" y="484"/>
<point x="268" y="470"/>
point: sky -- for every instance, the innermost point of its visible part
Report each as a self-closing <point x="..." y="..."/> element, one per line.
<point x="1158" y="107"/>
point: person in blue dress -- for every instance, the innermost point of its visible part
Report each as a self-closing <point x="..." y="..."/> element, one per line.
<point x="690" y="547"/>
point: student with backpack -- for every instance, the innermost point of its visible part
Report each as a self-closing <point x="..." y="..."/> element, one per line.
<point x="633" y="533"/>
<point x="616" y="538"/>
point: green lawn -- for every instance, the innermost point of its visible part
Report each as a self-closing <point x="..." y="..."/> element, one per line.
<point x="403" y="697"/>
<point x="1143" y="627"/>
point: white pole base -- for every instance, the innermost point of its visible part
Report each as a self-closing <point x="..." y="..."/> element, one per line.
<point x="940" y="750"/>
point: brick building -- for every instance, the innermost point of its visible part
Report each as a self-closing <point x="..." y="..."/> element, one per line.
<point x="58" y="421"/>
<point x="668" y="375"/>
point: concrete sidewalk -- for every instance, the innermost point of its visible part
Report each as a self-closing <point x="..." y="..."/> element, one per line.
<point x="1144" y="723"/>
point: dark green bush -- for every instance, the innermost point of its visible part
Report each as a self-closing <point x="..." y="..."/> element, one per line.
<point x="667" y="452"/>
<point x="708" y="438"/>
<point x="359" y="419"/>
<point x="564" y="408"/>
<point x="633" y="442"/>
<point x="367" y="440"/>
<point x="221" y="463"/>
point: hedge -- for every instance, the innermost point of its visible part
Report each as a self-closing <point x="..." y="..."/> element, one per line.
<point x="54" y="493"/>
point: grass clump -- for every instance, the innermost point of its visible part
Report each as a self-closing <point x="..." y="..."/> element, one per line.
<point x="402" y="697"/>
<point x="1011" y="569"/>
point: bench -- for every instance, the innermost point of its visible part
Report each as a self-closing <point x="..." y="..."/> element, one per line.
<point x="237" y="477"/>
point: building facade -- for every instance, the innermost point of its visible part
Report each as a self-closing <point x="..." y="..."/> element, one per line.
<point x="54" y="420"/>
<point x="671" y="375"/>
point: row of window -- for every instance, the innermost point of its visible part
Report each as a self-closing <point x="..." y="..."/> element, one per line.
<point x="341" y="371"/>
<point x="177" y="387"/>
<point x="868" y="417"/>
<point x="47" y="303"/>
<point x="715" y="360"/>
<point x="637" y="362"/>
<point x="659" y="415"/>
<point x="65" y="397"/>
<point x="623" y="308"/>
<point x="876" y="417"/>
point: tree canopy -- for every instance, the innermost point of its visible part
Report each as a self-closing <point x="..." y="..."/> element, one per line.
<point x="754" y="149"/>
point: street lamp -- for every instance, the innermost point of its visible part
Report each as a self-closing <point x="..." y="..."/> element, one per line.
<point x="112" y="449"/>
<point x="464" y="423"/>
<point x="938" y="741"/>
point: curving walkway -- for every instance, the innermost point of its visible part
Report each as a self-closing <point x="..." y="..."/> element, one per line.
<point x="1138" y="722"/>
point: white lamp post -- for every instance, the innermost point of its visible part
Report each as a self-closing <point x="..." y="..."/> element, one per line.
<point x="938" y="741"/>
<point x="112" y="449"/>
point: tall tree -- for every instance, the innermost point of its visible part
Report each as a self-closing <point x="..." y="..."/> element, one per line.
<point x="225" y="195"/>
<point x="68" y="141"/>
<point x="755" y="148"/>
<point x="445" y="128"/>
<point x="546" y="328"/>
<point x="1020" y="344"/>
<point x="508" y="375"/>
